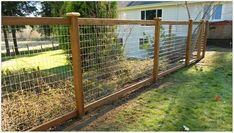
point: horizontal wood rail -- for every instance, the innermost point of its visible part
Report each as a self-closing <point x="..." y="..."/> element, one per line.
<point x="117" y="94"/>
<point x="91" y="106"/>
<point x="12" y="20"/>
<point x="55" y="122"/>
<point x="18" y="20"/>
<point x="162" y="74"/>
<point x="105" y="100"/>
<point x="102" y="21"/>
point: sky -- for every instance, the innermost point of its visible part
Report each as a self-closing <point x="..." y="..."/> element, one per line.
<point x="38" y="6"/>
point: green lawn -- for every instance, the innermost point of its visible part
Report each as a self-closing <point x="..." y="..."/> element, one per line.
<point x="43" y="60"/>
<point x="185" y="98"/>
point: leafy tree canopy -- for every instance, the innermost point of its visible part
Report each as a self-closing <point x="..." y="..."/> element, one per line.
<point x="18" y="8"/>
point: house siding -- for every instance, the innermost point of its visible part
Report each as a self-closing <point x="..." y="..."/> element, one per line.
<point x="227" y="11"/>
<point x="169" y="12"/>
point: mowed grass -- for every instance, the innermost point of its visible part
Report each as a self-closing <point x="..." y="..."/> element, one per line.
<point x="185" y="100"/>
<point x="41" y="60"/>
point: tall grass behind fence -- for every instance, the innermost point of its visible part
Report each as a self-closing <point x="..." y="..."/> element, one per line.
<point x="37" y="81"/>
<point x="113" y="57"/>
<point x="48" y="79"/>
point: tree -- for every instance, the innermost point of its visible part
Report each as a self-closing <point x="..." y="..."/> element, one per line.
<point x="96" y="9"/>
<point x="4" y="28"/>
<point x="16" y="8"/>
<point x="50" y="9"/>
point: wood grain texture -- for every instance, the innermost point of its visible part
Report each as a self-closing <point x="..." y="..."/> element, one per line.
<point x="188" y="43"/>
<point x="76" y="63"/>
<point x="156" y="48"/>
<point x="13" y="20"/>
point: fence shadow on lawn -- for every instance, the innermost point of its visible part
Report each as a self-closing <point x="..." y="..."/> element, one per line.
<point x="194" y="107"/>
<point x="77" y="124"/>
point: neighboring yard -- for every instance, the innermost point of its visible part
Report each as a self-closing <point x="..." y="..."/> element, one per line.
<point x="43" y="60"/>
<point x="189" y="97"/>
<point x="38" y="87"/>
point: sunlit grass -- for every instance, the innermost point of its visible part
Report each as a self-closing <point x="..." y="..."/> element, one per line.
<point x="43" y="60"/>
<point x="185" y="98"/>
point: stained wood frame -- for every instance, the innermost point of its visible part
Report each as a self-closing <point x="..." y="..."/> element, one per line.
<point x="74" y="22"/>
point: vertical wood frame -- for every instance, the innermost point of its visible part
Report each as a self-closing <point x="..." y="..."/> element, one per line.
<point x="156" y="48"/>
<point x="76" y="62"/>
<point x="188" y="44"/>
<point x="200" y="40"/>
<point x="205" y="38"/>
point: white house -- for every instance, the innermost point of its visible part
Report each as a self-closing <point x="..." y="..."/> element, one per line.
<point x="133" y="36"/>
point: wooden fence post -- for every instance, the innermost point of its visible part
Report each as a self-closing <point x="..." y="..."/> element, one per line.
<point x="205" y="39"/>
<point x="76" y="61"/>
<point x="200" y="40"/>
<point x="156" y="48"/>
<point x="188" y="44"/>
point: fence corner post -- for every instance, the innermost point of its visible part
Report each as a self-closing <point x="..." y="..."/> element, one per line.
<point x="156" y="48"/>
<point x="199" y="46"/>
<point x="205" y="38"/>
<point x="188" y="44"/>
<point x="76" y="61"/>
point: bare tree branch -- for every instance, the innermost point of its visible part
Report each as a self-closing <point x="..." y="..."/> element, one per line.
<point x="186" y="4"/>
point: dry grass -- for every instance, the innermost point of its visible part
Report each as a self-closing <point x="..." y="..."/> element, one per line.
<point x="24" y="107"/>
<point x="29" y="104"/>
<point x="23" y="110"/>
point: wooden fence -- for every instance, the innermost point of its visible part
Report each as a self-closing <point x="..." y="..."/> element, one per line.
<point x="74" y="22"/>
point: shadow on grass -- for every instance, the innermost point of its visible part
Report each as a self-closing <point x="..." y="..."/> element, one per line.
<point x="77" y="124"/>
<point x="192" y="105"/>
<point x="218" y="49"/>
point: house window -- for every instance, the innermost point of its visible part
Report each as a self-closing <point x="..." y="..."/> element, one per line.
<point x="159" y="13"/>
<point x="143" y="43"/>
<point x="217" y="12"/>
<point x="151" y="14"/>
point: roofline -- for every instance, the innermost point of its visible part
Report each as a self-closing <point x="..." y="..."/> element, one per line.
<point x="146" y="6"/>
<point x="156" y="5"/>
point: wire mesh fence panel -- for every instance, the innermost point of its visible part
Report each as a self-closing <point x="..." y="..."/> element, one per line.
<point x="194" y="42"/>
<point x="114" y="57"/>
<point x="172" y="46"/>
<point x="36" y="73"/>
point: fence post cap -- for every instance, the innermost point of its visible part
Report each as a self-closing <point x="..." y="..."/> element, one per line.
<point x="157" y="18"/>
<point x="73" y="14"/>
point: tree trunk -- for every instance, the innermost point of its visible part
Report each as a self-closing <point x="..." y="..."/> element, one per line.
<point x="6" y="40"/>
<point x="13" y="31"/>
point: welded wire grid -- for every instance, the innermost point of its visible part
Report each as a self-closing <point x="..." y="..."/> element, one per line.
<point x="36" y="77"/>
<point x="194" y="40"/>
<point x="172" y="46"/>
<point x="114" y="57"/>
